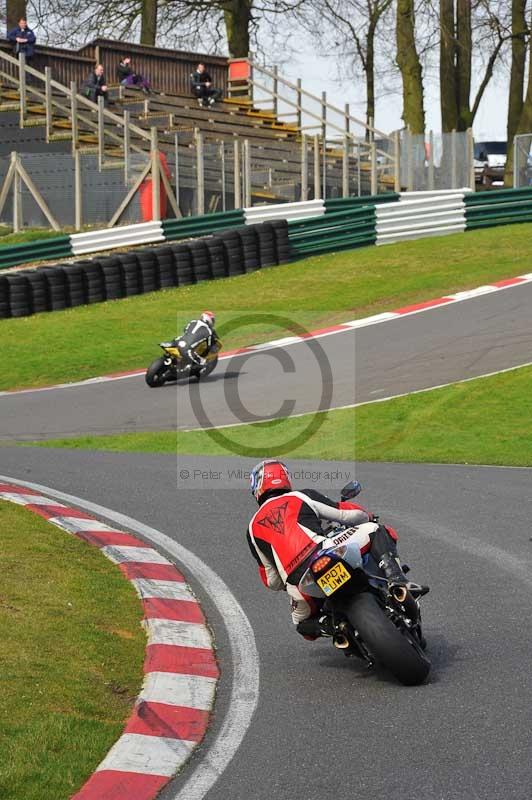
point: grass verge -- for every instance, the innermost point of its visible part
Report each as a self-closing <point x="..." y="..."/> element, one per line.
<point x="7" y="237"/>
<point x="485" y="421"/>
<point x="71" y="660"/>
<point x="123" y="334"/>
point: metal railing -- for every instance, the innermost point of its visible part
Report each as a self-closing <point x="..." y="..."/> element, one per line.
<point x="315" y="117"/>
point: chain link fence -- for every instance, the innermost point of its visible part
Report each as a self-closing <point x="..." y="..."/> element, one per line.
<point x="523" y="160"/>
<point x="441" y="161"/>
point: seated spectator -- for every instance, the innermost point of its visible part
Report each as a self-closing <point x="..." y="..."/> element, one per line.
<point x="95" y="86"/>
<point x="128" y="77"/>
<point x="23" y="39"/>
<point x="202" y="88"/>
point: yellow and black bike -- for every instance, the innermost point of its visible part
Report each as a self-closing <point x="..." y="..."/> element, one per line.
<point x="174" y="365"/>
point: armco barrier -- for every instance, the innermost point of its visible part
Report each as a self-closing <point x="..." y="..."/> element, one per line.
<point x="288" y="211"/>
<point x="502" y="207"/>
<point x="40" y="250"/>
<point x="108" y="238"/>
<point x="51" y="288"/>
<point x="336" y="230"/>
<point x="426" y="215"/>
<point x="190" y="227"/>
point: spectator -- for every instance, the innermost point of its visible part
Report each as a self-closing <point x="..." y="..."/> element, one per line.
<point x="128" y="77"/>
<point x="95" y="86"/>
<point x="23" y="38"/>
<point x="202" y="88"/>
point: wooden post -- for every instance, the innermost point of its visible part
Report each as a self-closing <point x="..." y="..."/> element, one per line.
<point x="324" y="116"/>
<point x="453" y="159"/>
<point x="22" y="88"/>
<point x="431" y="160"/>
<point x="299" y="100"/>
<point x="48" y="101"/>
<point x="304" y="168"/>
<point x="101" y="134"/>
<point x="17" y="204"/>
<point x="374" y="180"/>
<point x="317" y="188"/>
<point x="247" y="174"/>
<point x="127" y="147"/>
<point x="74" y="115"/>
<point x="345" y="167"/>
<point x="410" y="161"/>
<point x="517" y="180"/>
<point x="200" y="174"/>
<point x="146" y="107"/>
<point x="359" y="172"/>
<point x="275" y="90"/>
<point x="222" y="162"/>
<point x="78" y="193"/>
<point x="155" y="176"/>
<point x="397" y="159"/>
<point x="347" y="119"/>
<point x="236" y="173"/>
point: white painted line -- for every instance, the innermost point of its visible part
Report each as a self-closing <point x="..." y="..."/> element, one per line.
<point x="121" y="554"/>
<point x="175" y="689"/>
<point x="175" y="632"/>
<point x="245" y="658"/>
<point x="170" y="590"/>
<point x="148" y="755"/>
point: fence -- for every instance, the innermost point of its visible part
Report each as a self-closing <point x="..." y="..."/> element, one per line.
<point x="522" y="160"/>
<point x="441" y="161"/>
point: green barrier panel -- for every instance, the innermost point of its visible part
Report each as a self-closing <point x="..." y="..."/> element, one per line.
<point x="502" y="210"/>
<point x="329" y="247"/>
<point x="490" y="222"/>
<point x="41" y="249"/>
<point x="348" y="214"/>
<point x="497" y="196"/>
<point x="331" y="235"/>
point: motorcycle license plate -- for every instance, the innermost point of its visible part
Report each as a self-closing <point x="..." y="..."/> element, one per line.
<point x="333" y="579"/>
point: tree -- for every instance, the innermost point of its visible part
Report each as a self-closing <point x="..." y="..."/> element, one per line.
<point x="148" y="24"/>
<point x="517" y="70"/>
<point x="524" y="123"/>
<point x="410" y="67"/>
<point x="238" y="19"/>
<point x="349" y="28"/>
<point x="465" y="27"/>
<point x="14" y="11"/>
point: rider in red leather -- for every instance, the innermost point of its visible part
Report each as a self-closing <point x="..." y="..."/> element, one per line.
<point x="287" y="529"/>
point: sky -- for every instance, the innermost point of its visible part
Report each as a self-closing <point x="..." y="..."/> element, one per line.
<point x="319" y="74"/>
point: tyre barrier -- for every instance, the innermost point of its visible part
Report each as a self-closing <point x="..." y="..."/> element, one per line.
<point x="228" y="253"/>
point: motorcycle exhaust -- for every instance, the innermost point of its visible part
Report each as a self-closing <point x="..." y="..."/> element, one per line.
<point x="340" y="641"/>
<point x="400" y="593"/>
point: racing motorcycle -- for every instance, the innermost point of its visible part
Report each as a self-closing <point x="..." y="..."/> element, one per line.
<point x="173" y="365"/>
<point x="364" y="616"/>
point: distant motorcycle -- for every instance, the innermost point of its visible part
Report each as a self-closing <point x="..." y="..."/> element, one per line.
<point x="174" y="365"/>
<point x="364" y="616"/>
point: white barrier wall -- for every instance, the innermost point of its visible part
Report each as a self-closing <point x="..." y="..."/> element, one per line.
<point x="288" y="211"/>
<point x="106" y="239"/>
<point x="418" y="215"/>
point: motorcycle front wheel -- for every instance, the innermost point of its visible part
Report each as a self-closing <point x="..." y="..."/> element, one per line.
<point x="155" y="373"/>
<point x="392" y="648"/>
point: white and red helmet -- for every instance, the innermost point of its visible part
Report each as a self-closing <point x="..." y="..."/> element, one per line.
<point x="208" y="317"/>
<point x="267" y="476"/>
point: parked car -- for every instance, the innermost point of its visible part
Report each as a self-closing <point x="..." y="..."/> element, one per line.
<point x="489" y="162"/>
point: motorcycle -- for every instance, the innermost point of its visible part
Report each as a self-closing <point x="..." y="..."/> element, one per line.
<point x="173" y="365"/>
<point x="365" y="616"/>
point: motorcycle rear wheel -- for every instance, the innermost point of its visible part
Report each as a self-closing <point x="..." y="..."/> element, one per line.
<point x="155" y="373"/>
<point x="391" y="647"/>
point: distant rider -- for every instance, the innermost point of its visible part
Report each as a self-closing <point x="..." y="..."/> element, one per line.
<point x="287" y="529"/>
<point x="198" y="339"/>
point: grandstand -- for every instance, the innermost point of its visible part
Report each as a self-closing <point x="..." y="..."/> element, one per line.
<point x="267" y="141"/>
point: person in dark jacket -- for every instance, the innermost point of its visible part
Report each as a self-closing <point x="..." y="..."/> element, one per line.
<point x="128" y="77"/>
<point x="23" y="39"/>
<point x="202" y="88"/>
<point x="95" y="86"/>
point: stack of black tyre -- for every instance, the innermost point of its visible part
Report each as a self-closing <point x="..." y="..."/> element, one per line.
<point x="232" y="252"/>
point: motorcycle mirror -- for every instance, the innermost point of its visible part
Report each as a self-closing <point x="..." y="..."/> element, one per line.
<point x="351" y="490"/>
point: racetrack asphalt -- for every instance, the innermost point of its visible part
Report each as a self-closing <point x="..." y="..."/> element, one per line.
<point x="323" y="726"/>
<point x="448" y="343"/>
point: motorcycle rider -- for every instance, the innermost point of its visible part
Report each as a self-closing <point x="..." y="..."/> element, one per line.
<point x="287" y="530"/>
<point x="198" y="339"/>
